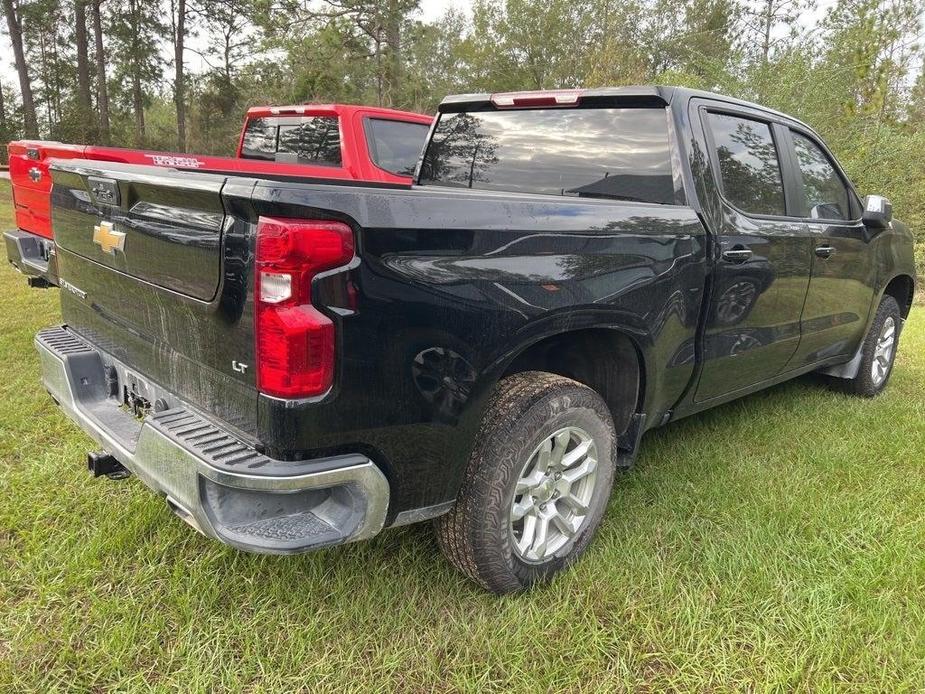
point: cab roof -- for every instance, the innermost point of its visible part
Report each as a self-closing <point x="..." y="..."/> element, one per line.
<point x="637" y="95"/>
<point x="337" y="110"/>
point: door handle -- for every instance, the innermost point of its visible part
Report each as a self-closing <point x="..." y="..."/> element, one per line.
<point x="737" y="254"/>
<point x="824" y="251"/>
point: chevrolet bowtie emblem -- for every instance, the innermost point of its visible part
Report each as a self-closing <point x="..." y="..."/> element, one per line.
<point x="108" y="238"/>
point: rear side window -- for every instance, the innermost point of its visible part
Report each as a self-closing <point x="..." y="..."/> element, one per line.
<point x="395" y="145"/>
<point x="748" y="164"/>
<point x="612" y="153"/>
<point x="299" y="140"/>
<point x="259" y="139"/>
<point x="825" y="193"/>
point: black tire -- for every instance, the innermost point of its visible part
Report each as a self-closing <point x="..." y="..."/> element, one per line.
<point x="864" y="383"/>
<point x="524" y="411"/>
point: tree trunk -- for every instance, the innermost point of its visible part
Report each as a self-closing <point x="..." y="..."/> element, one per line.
<point x="30" y="122"/>
<point x="102" y="92"/>
<point x="379" y="77"/>
<point x="83" y="66"/>
<point x="227" y="52"/>
<point x="393" y="57"/>
<point x="766" y="36"/>
<point x="54" y="79"/>
<point x="138" y="106"/>
<point x="3" y="122"/>
<point x="179" y="88"/>
<point x="138" y="100"/>
<point x="43" y="74"/>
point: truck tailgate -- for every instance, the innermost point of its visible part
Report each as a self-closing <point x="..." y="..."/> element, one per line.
<point x="31" y="182"/>
<point x="164" y="229"/>
<point x="157" y="275"/>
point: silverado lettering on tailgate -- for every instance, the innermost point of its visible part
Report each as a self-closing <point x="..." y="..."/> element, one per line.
<point x="175" y="162"/>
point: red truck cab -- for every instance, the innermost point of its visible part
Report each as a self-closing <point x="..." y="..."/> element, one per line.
<point x="308" y="142"/>
<point x="360" y="143"/>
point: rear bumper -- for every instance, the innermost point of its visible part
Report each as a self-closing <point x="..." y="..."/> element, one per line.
<point x="33" y="256"/>
<point x="212" y="479"/>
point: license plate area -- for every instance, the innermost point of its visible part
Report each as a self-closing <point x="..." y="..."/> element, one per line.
<point x="136" y="395"/>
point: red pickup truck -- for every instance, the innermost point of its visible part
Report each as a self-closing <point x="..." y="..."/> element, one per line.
<point x="308" y="142"/>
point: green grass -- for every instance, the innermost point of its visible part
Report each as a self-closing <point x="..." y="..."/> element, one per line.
<point x="774" y="543"/>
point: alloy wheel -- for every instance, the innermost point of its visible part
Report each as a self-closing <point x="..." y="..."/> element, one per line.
<point x="553" y="494"/>
<point x="883" y="353"/>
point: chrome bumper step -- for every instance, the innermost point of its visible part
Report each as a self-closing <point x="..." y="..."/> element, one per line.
<point x="219" y="484"/>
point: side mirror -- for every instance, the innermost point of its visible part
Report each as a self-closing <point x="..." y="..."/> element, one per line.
<point x="878" y="211"/>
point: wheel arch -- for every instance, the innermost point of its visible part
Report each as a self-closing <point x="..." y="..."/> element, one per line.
<point x="902" y="288"/>
<point x="587" y="355"/>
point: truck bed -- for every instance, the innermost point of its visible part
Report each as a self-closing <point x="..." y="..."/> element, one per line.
<point x="362" y="143"/>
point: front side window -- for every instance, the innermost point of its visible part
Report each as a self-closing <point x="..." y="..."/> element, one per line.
<point x="311" y="140"/>
<point x="748" y="164"/>
<point x="611" y="153"/>
<point x="825" y="193"/>
<point x="395" y="145"/>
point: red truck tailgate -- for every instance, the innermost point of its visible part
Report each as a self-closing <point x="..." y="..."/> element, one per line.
<point x="31" y="181"/>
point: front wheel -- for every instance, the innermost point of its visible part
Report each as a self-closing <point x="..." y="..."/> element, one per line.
<point x="878" y="352"/>
<point x="536" y="486"/>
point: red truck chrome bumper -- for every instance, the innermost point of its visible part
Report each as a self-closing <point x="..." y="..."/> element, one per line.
<point x="33" y="256"/>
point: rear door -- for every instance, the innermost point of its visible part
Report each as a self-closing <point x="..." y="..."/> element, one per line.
<point x="841" y="288"/>
<point x="763" y="251"/>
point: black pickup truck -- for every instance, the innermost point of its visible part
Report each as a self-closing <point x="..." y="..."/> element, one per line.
<point x="293" y="365"/>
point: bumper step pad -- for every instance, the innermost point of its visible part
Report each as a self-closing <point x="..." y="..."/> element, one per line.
<point x="287" y="528"/>
<point x="205" y="440"/>
<point x="33" y="256"/>
<point x="62" y="341"/>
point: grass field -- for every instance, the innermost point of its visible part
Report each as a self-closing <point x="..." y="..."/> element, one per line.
<point x="774" y="543"/>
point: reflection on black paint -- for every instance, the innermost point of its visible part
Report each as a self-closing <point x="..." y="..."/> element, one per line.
<point x="444" y="379"/>
<point x="737" y="294"/>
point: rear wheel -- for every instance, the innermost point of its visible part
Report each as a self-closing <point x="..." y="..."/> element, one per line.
<point x="878" y="353"/>
<point x="536" y="486"/>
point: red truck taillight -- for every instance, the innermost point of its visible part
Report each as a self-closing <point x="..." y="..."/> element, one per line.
<point x="294" y="340"/>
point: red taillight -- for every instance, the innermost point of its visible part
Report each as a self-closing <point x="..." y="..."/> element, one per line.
<point x="295" y="341"/>
<point x="555" y="97"/>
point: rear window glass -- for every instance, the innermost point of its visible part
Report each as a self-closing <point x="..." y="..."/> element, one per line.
<point x="298" y="140"/>
<point x="612" y="153"/>
<point x="395" y="145"/>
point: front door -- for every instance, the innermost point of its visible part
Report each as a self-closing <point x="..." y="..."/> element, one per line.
<point x="841" y="289"/>
<point x="763" y="255"/>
